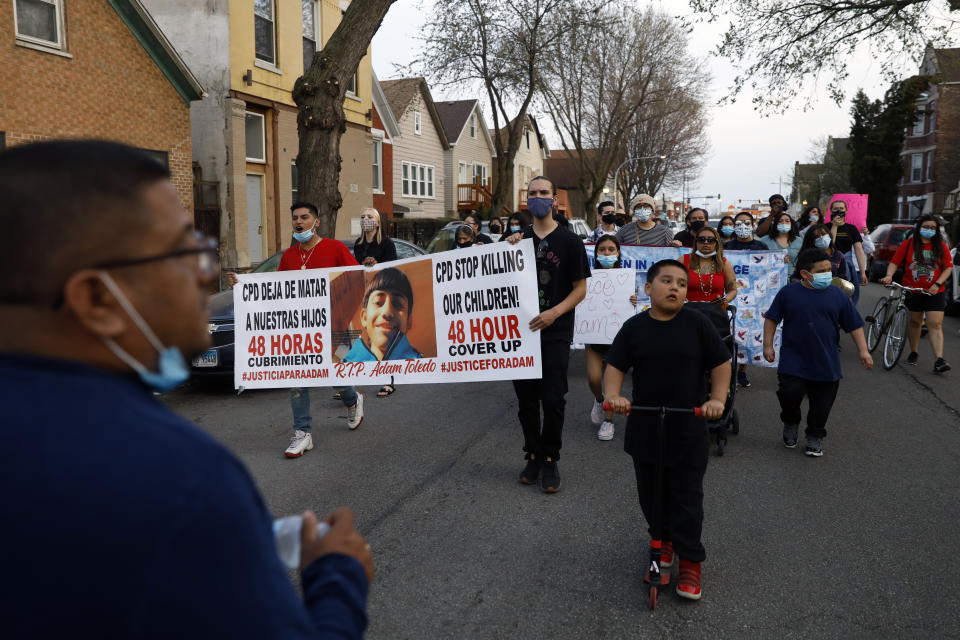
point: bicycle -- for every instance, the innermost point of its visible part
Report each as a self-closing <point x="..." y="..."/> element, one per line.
<point x="890" y="317"/>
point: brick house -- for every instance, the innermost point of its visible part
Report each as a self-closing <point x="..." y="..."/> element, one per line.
<point x="96" y="69"/>
<point x="931" y="152"/>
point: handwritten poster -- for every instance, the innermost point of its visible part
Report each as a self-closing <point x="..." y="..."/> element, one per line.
<point x="606" y="307"/>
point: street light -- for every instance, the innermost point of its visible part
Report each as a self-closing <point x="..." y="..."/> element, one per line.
<point x="616" y="175"/>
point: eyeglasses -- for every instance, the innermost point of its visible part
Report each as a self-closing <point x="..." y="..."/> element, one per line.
<point x="206" y="252"/>
<point x="707" y="240"/>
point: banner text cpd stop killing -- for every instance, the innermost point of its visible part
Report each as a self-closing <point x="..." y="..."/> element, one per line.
<point x="468" y="267"/>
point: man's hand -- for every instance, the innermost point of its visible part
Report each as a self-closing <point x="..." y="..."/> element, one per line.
<point x="712" y="409"/>
<point x="232" y="279"/>
<point x="863" y="278"/>
<point x="342" y="538"/>
<point x="768" y="353"/>
<point x="515" y="238"/>
<point x="866" y="360"/>
<point x="369" y="261"/>
<point x="544" y="320"/>
<point x="620" y="405"/>
<point x="676" y="243"/>
<point x="887" y="280"/>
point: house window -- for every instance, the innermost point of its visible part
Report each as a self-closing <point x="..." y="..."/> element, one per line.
<point x="309" y="10"/>
<point x="918" y="125"/>
<point x="473" y="126"/>
<point x="39" y="21"/>
<point x="929" y="166"/>
<point x="417" y="123"/>
<point x="916" y="167"/>
<point x="480" y="172"/>
<point x="462" y="168"/>
<point x="294" y="182"/>
<point x="417" y="180"/>
<point x="264" y="31"/>
<point x="932" y="110"/>
<point x="352" y="85"/>
<point x="256" y="142"/>
<point x="161" y="157"/>
<point x="378" y="165"/>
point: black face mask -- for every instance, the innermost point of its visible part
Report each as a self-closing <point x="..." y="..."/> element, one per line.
<point x="696" y="225"/>
<point x="609" y="218"/>
<point x="465" y="245"/>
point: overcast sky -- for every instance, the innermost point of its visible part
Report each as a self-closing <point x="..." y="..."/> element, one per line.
<point x="749" y="154"/>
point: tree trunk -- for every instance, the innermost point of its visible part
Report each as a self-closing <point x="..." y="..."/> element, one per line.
<point x="319" y="96"/>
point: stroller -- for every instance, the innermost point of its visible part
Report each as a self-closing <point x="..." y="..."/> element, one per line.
<point x="726" y="325"/>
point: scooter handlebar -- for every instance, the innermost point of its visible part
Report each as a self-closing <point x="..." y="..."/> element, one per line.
<point x="697" y="411"/>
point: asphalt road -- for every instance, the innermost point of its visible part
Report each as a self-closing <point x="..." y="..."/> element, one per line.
<point x="861" y="543"/>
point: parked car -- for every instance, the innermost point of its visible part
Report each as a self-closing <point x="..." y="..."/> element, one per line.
<point x="886" y="238"/>
<point x="444" y="240"/>
<point x="580" y="227"/>
<point x="218" y="360"/>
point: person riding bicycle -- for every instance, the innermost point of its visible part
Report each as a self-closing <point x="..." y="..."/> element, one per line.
<point x="926" y="265"/>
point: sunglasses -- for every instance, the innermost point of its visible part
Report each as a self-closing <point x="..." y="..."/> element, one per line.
<point x="707" y="240"/>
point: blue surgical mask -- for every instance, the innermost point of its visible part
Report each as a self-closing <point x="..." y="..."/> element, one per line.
<point x="926" y="234"/>
<point x="822" y="242"/>
<point x="540" y="207"/>
<point x="744" y="230"/>
<point x="643" y="214"/>
<point x="783" y="228"/>
<point x="821" y="280"/>
<point x="726" y="231"/>
<point x="814" y="219"/>
<point x="303" y="236"/>
<point x="172" y="369"/>
<point x="607" y="261"/>
<point x="514" y="228"/>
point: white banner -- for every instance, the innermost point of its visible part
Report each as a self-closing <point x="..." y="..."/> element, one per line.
<point x="606" y="306"/>
<point x="456" y="316"/>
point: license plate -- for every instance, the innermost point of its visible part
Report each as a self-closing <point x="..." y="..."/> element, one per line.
<point x="207" y="359"/>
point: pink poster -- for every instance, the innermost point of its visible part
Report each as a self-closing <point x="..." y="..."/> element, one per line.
<point x="856" y="208"/>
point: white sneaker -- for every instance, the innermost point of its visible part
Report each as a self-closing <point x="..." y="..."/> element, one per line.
<point x="299" y="443"/>
<point x="596" y="414"/>
<point x="606" y="431"/>
<point x="355" y="413"/>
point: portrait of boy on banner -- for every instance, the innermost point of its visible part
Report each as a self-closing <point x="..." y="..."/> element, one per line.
<point x="384" y="326"/>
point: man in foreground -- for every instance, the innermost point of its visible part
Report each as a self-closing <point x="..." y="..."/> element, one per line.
<point x="122" y="519"/>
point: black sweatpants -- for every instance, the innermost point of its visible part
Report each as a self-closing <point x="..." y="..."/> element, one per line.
<point x="682" y="505"/>
<point x="820" y="397"/>
<point x="549" y="393"/>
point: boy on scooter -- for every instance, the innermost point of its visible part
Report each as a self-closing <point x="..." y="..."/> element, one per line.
<point x="671" y="349"/>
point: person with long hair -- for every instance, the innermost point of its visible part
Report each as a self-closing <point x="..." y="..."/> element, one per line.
<point x="726" y="227"/>
<point x="516" y="223"/>
<point x="783" y="235"/>
<point x="711" y="276"/>
<point x="373" y="246"/>
<point x="927" y="265"/>
<point x="810" y="216"/>
<point x="818" y="237"/>
<point x="606" y="256"/>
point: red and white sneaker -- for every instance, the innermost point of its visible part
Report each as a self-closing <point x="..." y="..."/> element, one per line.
<point x="688" y="582"/>
<point x="666" y="555"/>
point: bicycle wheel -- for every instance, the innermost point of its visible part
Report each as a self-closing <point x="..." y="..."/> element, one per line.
<point x="875" y="324"/>
<point x="896" y="338"/>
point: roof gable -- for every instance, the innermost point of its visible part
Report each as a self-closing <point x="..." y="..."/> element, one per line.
<point x="400" y="93"/>
<point x="455" y="118"/>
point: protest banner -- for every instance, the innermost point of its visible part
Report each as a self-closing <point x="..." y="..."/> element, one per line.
<point x="856" y="208"/>
<point x="456" y="316"/>
<point x="760" y="275"/>
<point x="606" y="306"/>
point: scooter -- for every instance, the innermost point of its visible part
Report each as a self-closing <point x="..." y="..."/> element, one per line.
<point x="656" y="578"/>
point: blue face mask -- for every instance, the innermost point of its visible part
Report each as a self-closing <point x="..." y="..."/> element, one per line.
<point x="783" y="228"/>
<point x="926" y="234"/>
<point x="172" y="369"/>
<point x="726" y="231"/>
<point x="514" y="228"/>
<point x="607" y="261"/>
<point x="821" y="280"/>
<point x="540" y="207"/>
<point x="744" y="231"/>
<point x="822" y="242"/>
<point x="303" y="236"/>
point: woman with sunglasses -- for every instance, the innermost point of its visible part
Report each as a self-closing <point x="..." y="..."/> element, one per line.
<point x="711" y="276"/>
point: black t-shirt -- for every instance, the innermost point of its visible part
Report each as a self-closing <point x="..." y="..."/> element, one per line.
<point x="847" y="236"/>
<point x="739" y="245"/>
<point x="686" y="238"/>
<point x="561" y="261"/>
<point x="669" y="361"/>
<point x="386" y="251"/>
<point x="484" y="238"/>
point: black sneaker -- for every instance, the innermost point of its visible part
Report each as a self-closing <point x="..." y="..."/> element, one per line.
<point x="530" y="472"/>
<point x="940" y="366"/>
<point x="790" y="435"/>
<point x="549" y="477"/>
<point x="814" y="447"/>
<point x="742" y="379"/>
<point x="912" y="358"/>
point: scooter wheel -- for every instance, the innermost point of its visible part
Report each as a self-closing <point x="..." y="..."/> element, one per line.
<point x="653" y="597"/>
<point x="735" y="422"/>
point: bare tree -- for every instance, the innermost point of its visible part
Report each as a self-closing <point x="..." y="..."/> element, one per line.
<point x="675" y="128"/>
<point x="319" y="96"/>
<point x="777" y="44"/>
<point x="609" y="74"/>
<point x="501" y="45"/>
